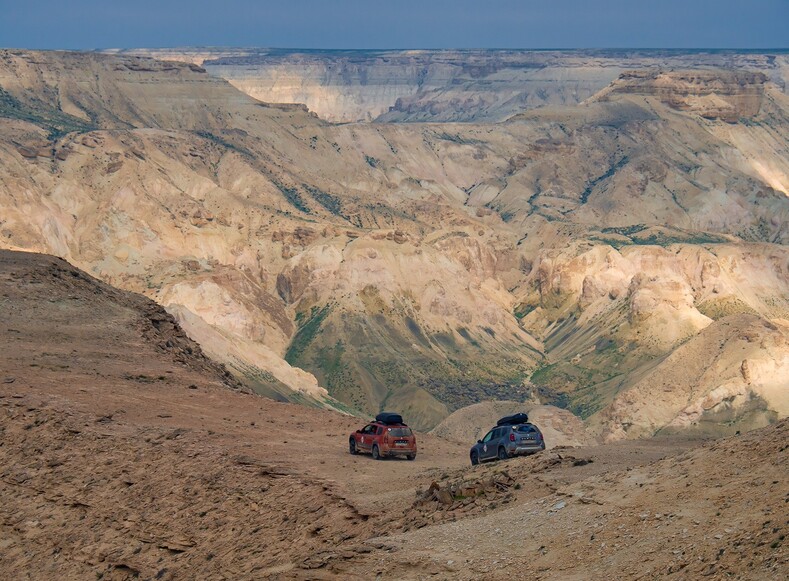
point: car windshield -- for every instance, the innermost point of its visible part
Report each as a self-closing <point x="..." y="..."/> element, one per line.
<point x="525" y="429"/>
<point x="399" y="432"/>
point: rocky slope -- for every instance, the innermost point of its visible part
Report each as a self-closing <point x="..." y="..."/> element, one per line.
<point x="124" y="455"/>
<point x="564" y="254"/>
<point x="63" y="326"/>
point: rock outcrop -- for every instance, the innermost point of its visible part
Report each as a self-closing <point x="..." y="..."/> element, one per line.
<point x="712" y="94"/>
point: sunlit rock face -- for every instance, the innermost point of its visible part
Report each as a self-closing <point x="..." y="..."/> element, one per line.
<point x="475" y="85"/>
<point x="729" y="95"/>
<point x="567" y="254"/>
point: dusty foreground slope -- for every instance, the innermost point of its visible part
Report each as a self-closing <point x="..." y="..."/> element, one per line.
<point x="719" y="511"/>
<point x="122" y="457"/>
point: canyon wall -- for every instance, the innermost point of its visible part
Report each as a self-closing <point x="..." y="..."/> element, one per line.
<point x="562" y="256"/>
<point x="445" y="85"/>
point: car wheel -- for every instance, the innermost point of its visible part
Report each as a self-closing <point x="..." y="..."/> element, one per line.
<point x="376" y="453"/>
<point x="474" y="458"/>
<point x="502" y="453"/>
<point x="352" y="446"/>
<point x="411" y="456"/>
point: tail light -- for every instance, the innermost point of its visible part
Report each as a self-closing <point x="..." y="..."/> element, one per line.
<point x="512" y="437"/>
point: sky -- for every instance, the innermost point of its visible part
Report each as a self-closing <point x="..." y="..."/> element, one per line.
<point x="370" y="24"/>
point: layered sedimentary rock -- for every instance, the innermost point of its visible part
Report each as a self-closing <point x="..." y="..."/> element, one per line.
<point x="563" y="254"/>
<point x="728" y="95"/>
<point x="452" y="85"/>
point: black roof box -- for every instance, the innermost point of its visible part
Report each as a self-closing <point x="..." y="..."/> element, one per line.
<point x="389" y="418"/>
<point x="513" y="420"/>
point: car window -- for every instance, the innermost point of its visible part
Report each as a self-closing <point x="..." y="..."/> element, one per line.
<point x="399" y="432"/>
<point x="488" y="436"/>
<point x="379" y="431"/>
<point x="526" y="429"/>
<point x="368" y="429"/>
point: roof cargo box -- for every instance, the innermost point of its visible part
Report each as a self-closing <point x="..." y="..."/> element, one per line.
<point x="513" y="420"/>
<point x="389" y="418"/>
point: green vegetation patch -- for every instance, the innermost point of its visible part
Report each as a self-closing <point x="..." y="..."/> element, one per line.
<point x="723" y="307"/>
<point x="609" y="173"/>
<point x="523" y="309"/>
<point x="337" y="373"/>
<point x="331" y="203"/>
<point x="309" y="327"/>
<point x="456" y="138"/>
<point x="463" y="332"/>
<point x="579" y="389"/>
<point x="625" y="230"/>
<point x="293" y="196"/>
<point x="262" y="382"/>
<point x="616" y="243"/>
<point x="640" y="235"/>
<point x="54" y="121"/>
<point x="661" y="239"/>
<point x="217" y="139"/>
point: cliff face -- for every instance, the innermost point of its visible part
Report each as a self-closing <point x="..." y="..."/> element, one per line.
<point x="446" y="85"/>
<point x="414" y="86"/>
<point x="560" y="255"/>
<point x="729" y="95"/>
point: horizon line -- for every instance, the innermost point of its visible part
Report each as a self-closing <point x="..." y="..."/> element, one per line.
<point x="447" y="49"/>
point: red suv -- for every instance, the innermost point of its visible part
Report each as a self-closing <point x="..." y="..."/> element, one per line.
<point x="386" y="436"/>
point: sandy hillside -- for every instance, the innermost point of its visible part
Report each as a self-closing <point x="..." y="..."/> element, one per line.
<point x="559" y="427"/>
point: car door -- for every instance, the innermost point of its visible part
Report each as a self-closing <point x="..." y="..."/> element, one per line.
<point x="379" y="434"/>
<point x="487" y="449"/>
<point x="365" y="439"/>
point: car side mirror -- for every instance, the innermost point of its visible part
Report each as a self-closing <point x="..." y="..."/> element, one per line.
<point x="358" y="431"/>
<point x="479" y="441"/>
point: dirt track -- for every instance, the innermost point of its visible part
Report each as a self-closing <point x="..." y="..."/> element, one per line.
<point x="124" y="457"/>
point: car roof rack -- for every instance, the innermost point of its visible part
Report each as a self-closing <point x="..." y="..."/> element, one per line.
<point x="514" y="419"/>
<point x="390" y="418"/>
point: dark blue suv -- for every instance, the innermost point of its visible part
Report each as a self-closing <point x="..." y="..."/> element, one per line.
<point x="505" y="441"/>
